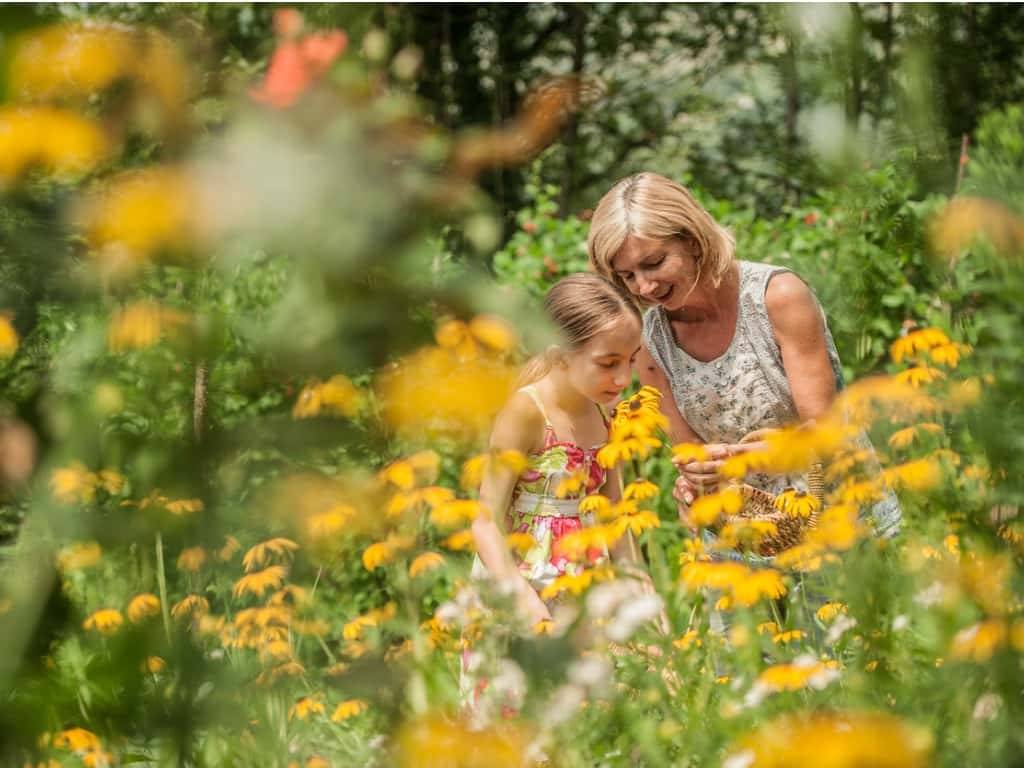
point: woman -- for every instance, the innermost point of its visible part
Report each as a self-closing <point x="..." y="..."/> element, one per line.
<point x="742" y="347"/>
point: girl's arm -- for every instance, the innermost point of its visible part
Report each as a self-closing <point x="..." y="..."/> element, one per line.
<point x="516" y="428"/>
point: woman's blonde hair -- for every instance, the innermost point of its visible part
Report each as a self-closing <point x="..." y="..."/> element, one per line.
<point x="580" y="306"/>
<point x="651" y="206"/>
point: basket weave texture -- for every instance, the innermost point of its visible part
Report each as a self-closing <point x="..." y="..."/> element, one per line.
<point x="790" y="529"/>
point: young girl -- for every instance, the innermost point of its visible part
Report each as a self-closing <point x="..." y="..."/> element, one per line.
<point x="557" y="419"/>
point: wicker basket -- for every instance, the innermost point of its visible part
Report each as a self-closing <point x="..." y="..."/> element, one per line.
<point x="760" y="505"/>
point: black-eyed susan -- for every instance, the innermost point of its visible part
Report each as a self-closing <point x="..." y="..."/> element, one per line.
<point x="493" y="332"/>
<point x="306" y="706"/>
<point x="142" y="324"/>
<point x="330" y="522"/>
<point x="105" y="621"/>
<point x="829" y="611"/>
<point x="914" y="343"/>
<point x="571" y="484"/>
<point x="690" y="639"/>
<point x="76" y="740"/>
<point x="684" y="453"/>
<point x="228" y="549"/>
<point x="189" y="607"/>
<point x="706" y="510"/>
<point x="141" y="607"/>
<point x="918" y="375"/>
<point x="348" y="709"/>
<point x="460" y="541"/>
<point x="276" y="549"/>
<point x="919" y="475"/>
<point x="789" y="636"/>
<point x="154" y="665"/>
<point x="578" y="545"/>
<point x="768" y="628"/>
<point x="520" y="542"/>
<point x="456" y="513"/>
<point x="8" y="337"/>
<point x="424" y="563"/>
<point x="635" y="522"/>
<point x="79" y="555"/>
<point x="337" y="396"/>
<point x="640" y="490"/>
<point x="948" y="354"/>
<point x="758" y="585"/>
<point x="59" y="142"/>
<point x="192" y="559"/>
<point x="259" y="582"/>
<point x="965" y="218"/>
<point x="576" y="583"/>
<point x="73" y="483"/>
<point x="797" y="503"/>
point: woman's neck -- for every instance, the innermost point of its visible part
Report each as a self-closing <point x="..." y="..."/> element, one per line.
<point x="708" y="301"/>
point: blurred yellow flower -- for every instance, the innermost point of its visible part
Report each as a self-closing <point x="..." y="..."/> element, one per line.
<point x="639" y="490"/>
<point x="348" y="709"/>
<point x="798" y="675"/>
<point x="257" y="583"/>
<point x="980" y="641"/>
<point x="143" y="606"/>
<point x="384" y="552"/>
<point x="278" y="548"/>
<point x="60" y="142"/>
<point x="474" y="469"/>
<point x="706" y="510"/>
<point x="460" y="541"/>
<point x="425" y="562"/>
<point x="635" y="522"/>
<point x="434" y="393"/>
<point x="576" y="583"/>
<point x="192" y="559"/>
<point x="571" y="484"/>
<point x="139" y="215"/>
<point x="228" y="549"/>
<point x="76" y="740"/>
<point x="802" y="557"/>
<point x="744" y="532"/>
<point x="791" y="636"/>
<point x="577" y="545"/>
<point x="105" y="621"/>
<point x="596" y="504"/>
<point x="948" y="354"/>
<point x="965" y="218"/>
<point x="690" y="639"/>
<point x="335" y="397"/>
<point x="189" y="607"/>
<point x="329" y="523"/>
<point x="767" y="628"/>
<point x="520" y="543"/>
<point x="184" y="506"/>
<point x="306" y="706"/>
<point x="79" y="555"/>
<point x="833" y="740"/>
<point x="420" y="741"/>
<point x="8" y="337"/>
<point x="687" y="452"/>
<point x="918" y="375"/>
<point x="493" y="332"/>
<point x="919" y="475"/>
<point x="455" y="514"/>
<point x="143" y="324"/>
<point x="917" y="342"/>
<point x="154" y="665"/>
<point x="73" y="483"/>
<point x="829" y="611"/>
<point x="353" y="630"/>
<point x="617" y="451"/>
<point x="741" y="585"/>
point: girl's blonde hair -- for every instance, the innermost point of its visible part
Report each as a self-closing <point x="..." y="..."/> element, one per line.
<point x="651" y="206"/>
<point x="580" y="306"/>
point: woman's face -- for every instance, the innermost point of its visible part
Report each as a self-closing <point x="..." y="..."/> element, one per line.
<point x="603" y="366"/>
<point x="658" y="271"/>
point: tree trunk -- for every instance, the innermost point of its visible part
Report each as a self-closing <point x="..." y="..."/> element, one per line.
<point x="791" y="79"/>
<point x="199" y="400"/>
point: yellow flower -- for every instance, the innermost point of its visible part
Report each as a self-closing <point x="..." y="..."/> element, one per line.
<point x="918" y="375"/>
<point x="329" y="523"/>
<point x="767" y="628"/>
<point x="626" y="449"/>
<point x="743" y="532"/>
<point x="349" y="709"/>
<point x="384" y="552"/>
<point x="793" y="677"/>
<point x="143" y="324"/>
<point x="154" y="665"/>
<point x="639" y="490"/>
<point x="139" y="214"/>
<point x="184" y="506"/>
<point x="265" y="552"/>
<point x="435" y="393"/>
<point x="576" y="544"/>
<point x="8" y="337"/>
<point x="576" y="583"/>
<point x="79" y="555"/>
<point x="572" y="484"/>
<point x="980" y="641"/>
<point x="189" y="607"/>
<point x="493" y="332"/>
<point x="690" y="639"/>
<point x="520" y="543"/>
<point x="455" y="514"/>
<point x="306" y="706"/>
<point x="861" y="492"/>
<point x="228" y="549"/>
<point x="919" y="475"/>
<point x="461" y="541"/>
<point x="142" y="607"/>
<point x="965" y="218"/>
<point x="73" y="483"/>
<point x="337" y="397"/>
<point x="105" y="621"/>
<point x="829" y="611"/>
<point x="917" y="342"/>
<point x="596" y="504"/>
<point x="834" y="740"/>
<point x="706" y="510"/>
<point x="635" y="522"/>
<point x="688" y="452"/>
<point x="428" y="561"/>
<point x="60" y="142"/>
<point x="797" y="503"/>
<point x="789" y="637"/>
<point x="420" y="741"/>
<point x="76" y="740"/>
<point x="759" y="584"/>
<point x="271" y="577"/>
<point x="948" y="354"/>
<point x="192" y="559"/>
<point x="353" y="630"/>
<point x="802" y="557"/>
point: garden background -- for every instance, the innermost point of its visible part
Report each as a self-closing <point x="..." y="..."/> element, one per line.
<point x="266" y="275"/>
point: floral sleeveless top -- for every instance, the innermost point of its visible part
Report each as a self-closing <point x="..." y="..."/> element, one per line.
<point x="537" y="509"/>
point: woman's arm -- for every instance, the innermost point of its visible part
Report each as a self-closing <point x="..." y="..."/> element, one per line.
<point x="799" y="329"/>
<point x="516" y="428"/>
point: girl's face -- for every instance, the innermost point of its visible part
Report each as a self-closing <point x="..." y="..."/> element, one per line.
<point x="603" y="366"/>
<point x="658" y="271"/>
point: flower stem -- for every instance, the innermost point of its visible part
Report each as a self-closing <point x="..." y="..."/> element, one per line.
<point x="161" y="580"/>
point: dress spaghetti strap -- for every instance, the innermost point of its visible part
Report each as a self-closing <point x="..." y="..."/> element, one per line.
<point x="531" y="390"/>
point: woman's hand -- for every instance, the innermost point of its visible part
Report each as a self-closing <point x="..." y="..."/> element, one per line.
<point x="703" y="476"/>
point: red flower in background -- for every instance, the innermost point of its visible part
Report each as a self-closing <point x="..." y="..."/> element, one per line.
<point x="297" y="62"/>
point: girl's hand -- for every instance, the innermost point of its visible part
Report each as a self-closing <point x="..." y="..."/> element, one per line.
<point x="531" y="606"/>
<point x="684" y="493"/>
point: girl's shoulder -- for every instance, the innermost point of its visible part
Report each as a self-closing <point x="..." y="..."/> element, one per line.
<point x="519" y="424"/>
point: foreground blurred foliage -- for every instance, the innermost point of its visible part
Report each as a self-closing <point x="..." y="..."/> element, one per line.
<point x="249" y="354"/>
